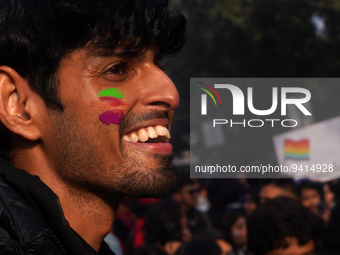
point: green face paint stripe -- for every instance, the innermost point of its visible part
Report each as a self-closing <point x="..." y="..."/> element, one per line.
<point x="113" y="92"/>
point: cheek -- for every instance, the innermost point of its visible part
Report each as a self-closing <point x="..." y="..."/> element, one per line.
<point x="111" y="101"/>
<point x="113" y="112"/>
<point x="112" y="117"/>
<point x="305" y="202"/>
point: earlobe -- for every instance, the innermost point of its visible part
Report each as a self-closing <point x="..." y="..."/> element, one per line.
<point x="15" y="95"/>
<point x="13" y="104"/>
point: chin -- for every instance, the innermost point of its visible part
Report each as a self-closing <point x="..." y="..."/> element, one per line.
<point x="160" y="183"/>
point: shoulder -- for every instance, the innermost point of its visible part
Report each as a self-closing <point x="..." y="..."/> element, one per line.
<point x="21" y="228"/>
<point x="9" y="246"/>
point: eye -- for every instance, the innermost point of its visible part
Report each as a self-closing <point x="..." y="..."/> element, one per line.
<point x="119" y="69"/>
<point x="117" y="72"/>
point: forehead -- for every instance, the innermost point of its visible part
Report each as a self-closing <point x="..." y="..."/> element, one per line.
<point x="308" y="191"/>
<point x="88" y="52"/>
<point x="90" y="55"/>
<point x="240" y="221"/>
<point x="189" y="187"/>
<point x="123" y="50"/>
<point x="271" y="190"/>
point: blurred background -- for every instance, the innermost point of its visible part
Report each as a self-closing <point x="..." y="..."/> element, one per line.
<point x="244" y="38"/>
<point x="256" y="38"/>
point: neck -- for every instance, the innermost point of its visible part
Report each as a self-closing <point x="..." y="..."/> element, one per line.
<point x="91" y="215"/>
<point x="88" y="214"/>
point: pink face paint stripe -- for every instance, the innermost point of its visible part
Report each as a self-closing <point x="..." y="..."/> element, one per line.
<point x="114" y="102"/>
<point x="114" y="117"/>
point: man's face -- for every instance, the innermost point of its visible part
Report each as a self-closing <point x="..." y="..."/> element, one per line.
<point x="310" y="198"/>
<point x="189" y="194"/>
<point x="113" y="106"/>
<point x="271" y="191"/>
<point x="239" y="231"/>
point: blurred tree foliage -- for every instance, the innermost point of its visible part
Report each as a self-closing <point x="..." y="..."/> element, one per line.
<point x="260" y="38"/>
<point x="257" y="38"/>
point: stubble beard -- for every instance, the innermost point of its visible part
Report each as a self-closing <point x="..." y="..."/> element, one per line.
<point x="80" y="168"/>
<point x="143" y="181"/>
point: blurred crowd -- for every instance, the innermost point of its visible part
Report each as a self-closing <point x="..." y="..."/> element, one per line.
<point x="232" y="217"/>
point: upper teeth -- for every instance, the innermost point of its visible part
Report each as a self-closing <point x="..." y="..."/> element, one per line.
<point x="144" y="134"/>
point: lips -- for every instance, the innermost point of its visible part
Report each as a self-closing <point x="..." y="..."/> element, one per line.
<point x="150" y="134"/>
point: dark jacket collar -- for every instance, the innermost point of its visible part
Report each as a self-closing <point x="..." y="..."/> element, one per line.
<point x="41" y="208"/>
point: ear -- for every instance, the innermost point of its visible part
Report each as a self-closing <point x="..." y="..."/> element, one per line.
<point x="17" y="104"/>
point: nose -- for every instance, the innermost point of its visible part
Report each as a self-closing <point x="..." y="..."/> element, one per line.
<point x="159" y="91"/>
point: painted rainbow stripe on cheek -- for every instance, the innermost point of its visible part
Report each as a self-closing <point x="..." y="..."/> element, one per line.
<point x="112" y="97"/>
<point x="114" y="102"/>
<point x="114" y="117"/>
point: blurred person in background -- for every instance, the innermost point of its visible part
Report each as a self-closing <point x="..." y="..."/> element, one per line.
<point x="252" y="199"/>
<point x="203" y="203"/>
<point x="222" y="194"/>
<point x="186" y="196"/>
<point x="165" y="229"/>
<point x="311" y="195"/>
<point x="233" y="225"/>
<point x="329" y="199"/>
<point x="200" y="246"/>
<point x="272" y="188"/>
<point x="124" y="223"/>
<point x="329" y="195"/>
<point x="139" y="206"/>
<point x="282" y="226"/>
<point x="332" y="236"/>
<point x="219" y="238"/>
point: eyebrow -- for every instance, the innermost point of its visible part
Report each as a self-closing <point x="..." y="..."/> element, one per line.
<point x="137" y="53"/>
<point x="101" y="52"/>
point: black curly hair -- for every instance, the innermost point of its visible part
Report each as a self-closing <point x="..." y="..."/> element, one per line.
<point x="163" y="222"/>
<point x="273" y="221"/>
<point x="37" y="34"/>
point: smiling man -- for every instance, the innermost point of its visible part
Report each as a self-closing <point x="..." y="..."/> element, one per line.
<point x="85" y="113"/>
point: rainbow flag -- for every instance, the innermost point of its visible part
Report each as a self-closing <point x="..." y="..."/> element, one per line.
<point x="297" y="149"/>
